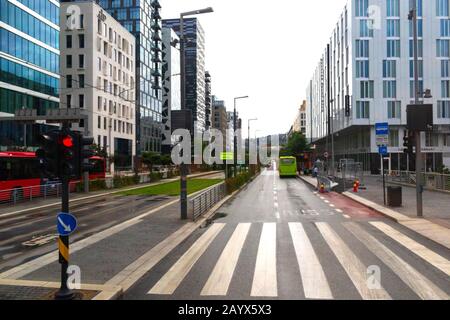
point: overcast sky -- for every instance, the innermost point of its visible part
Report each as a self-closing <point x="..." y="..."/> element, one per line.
<point x="267" y="49"/>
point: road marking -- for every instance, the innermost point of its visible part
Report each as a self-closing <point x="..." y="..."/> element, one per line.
<point x="172" y="279"/>
<point x="423" y="287"/>
<point x="275" y="204"/>
<point x="220" y="279"/>
<point x="277" y="215"/>
<point x="346" y="216"/>
<point x="326" y="201"/>
<point x="265" y="276"/>
<point x="315" y="284"/>
<point x="322" y="198"/>
<point x="339" y="210"/>
<point x="426" y="254"/>
<point x="332" y="205"/>
<point x="354" y="268"/>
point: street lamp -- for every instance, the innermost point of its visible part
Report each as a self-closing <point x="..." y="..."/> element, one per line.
<point x="234" y="127"/>
<point x="183" y="166"/>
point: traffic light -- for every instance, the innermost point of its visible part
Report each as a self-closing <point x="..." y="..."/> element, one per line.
<point x="408" y="143"/>
<point x="67" y="154"/>
<point x="83" y="152"/>
<point x="48" y="154"/>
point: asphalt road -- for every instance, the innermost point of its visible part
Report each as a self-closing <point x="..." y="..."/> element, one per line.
<point x="278" y="239"/>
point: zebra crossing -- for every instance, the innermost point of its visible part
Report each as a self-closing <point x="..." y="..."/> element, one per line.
<point x="316" y="281"/>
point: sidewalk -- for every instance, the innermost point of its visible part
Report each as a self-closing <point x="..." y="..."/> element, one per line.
<point x="435" y="226"/>
<point x="75" y="197"/>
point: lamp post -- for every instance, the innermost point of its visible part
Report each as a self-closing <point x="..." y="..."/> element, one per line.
<point x="183" y="166"/>
<point x="235" y="138"/>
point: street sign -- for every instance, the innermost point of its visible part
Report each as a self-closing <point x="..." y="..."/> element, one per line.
<point x="383" y="150"/>
<point x="382" y="133"/>
<point x="67" y="224"/>
<point x="226" y="156"/>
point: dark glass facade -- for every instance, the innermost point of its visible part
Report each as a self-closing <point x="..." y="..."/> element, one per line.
<point x="195" y="67"/>
<point x="142" y="18"/>
<point x="29" y="66"/>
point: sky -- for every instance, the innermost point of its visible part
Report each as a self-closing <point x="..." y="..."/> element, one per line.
<point x="265" y="49"/>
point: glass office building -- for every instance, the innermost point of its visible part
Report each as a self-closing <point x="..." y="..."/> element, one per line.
<point x="142" y="18"/>
<point x="195" y="68"/>
<point x="29" y="65"/>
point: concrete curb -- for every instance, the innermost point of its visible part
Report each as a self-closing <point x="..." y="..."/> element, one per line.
<point x="427" y="229"/>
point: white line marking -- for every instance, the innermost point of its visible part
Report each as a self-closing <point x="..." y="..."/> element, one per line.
<point x="430" y="256"/>
<point x="423" y="287"/>
<point x="339" y="210"/>
<point x="354" y="268"/>
<point x="265" y="276"/>
<point x="332" y="205"/>
<point x="346" y="216"/>
<point x="275" y="204"/>
<point x="315" y="284"/>
<point x="326" y="201"/>
<point x="172" y="279"/>
<point x="277" y="215"/>
<point x="220" y="279"/>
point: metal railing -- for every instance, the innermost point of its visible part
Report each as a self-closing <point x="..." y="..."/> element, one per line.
<point x="432" y="181"/>
<point x="203" y="202"/>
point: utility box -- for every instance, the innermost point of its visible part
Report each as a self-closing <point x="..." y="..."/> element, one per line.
<point x="394" y="196"/>
<point x="420" y="117"/>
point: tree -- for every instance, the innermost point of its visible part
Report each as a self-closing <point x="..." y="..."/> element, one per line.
<point x="150" y="159"/>
<point x="297" y="144"/>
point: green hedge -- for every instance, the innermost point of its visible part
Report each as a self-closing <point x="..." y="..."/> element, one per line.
<point x="237" y="182"/>
<point x="121" y="182"/>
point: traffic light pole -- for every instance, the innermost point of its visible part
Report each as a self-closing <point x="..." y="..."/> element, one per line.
<point x="64" y="292"/>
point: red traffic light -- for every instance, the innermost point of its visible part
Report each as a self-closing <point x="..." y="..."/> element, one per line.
<point x="67" y="141"/>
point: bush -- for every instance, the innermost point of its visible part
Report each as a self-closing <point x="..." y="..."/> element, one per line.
<point x="120" y="182"/>
<point x="155" y="176"/>
<point x="237" y="182"/>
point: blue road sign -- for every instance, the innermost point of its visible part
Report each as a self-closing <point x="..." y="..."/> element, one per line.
<point x="382" y="129"/>
<point x="383" y="150"/>
<point x="67" y="224"/>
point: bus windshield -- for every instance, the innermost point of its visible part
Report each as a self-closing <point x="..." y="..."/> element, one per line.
<point x="287" y="162"/>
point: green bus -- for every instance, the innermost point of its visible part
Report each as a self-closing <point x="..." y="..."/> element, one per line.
<point x="288" y="167"/>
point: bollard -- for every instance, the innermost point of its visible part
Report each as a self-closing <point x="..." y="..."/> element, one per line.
<point x="322" y="188"/>
<point x="355" y="187"/>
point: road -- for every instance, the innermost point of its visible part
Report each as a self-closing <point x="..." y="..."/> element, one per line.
<point x="278" y="239"/>
<point x="32" y="234"/>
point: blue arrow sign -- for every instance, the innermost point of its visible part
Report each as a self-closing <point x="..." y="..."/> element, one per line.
<point x="383" y="150"/>
<point x="67" y="224"/>
<point x="382" y="129"/>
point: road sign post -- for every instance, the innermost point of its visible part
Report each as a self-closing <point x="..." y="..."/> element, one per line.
<point x="383" y="152"/>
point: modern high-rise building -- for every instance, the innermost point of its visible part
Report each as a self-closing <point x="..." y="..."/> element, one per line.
<point x="195" y="67"/>
<point x="208" y="100"/>
<point x="29" y="66"/>
<point x="219" y="116"/>
<point x="98" y="76"/>
<point x="143" y="19"/>
<point x="371" y="80"/>
<point x="171" y="84"/>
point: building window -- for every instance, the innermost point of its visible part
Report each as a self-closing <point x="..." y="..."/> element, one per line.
<point x="393" y="8"/>
<point x="442" y="48"/>
<point x="443" y="109"/>
<point x="393" y="28"/>
<point x="445" y="69"/>
<point x="389" y="68"/>
<point x="81" y="101"/>
<point x="69" y="61"/>
<point x="394" y="109"/>
<point x="389" y="89"/>
<point x="442" y="8"/>
<point x="362" y="6"/>
<point x="68" y="41"/>
<point x="445" y="89"/>
<point x="411" y="68"/>
<point x="412" y="88"/>
<point x="447" y="140"/>
<point x="365" y="28"/>
<point x="362" y="69"/>
<point x="393" y="138"/>
<point x="445" y="27"/>
<point x="362" y="109"/>
<point x="99" y="125"/>
<point x="431" y="139"/>
<point x="81" y="61"/>
<point x="81" y="21"/>
<point x="99" y="103"/>
<point x="81" y="40"/>
<point x="81" y="81"/>
<point x="393" y="48"/>
<point x="69" y="101"/>
<point x="69" y="81"/>
<point x="366" y="89"/>
<point x="362" y="48"/>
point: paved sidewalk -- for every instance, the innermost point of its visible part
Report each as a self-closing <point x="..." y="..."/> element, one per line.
<point x="7" y="210"/>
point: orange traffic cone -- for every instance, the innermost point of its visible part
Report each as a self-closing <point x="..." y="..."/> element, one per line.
<point x="355" y="187"/>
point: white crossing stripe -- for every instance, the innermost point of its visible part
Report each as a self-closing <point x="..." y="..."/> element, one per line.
<point x="315" y="284"/>
<point x="265" y="277"/>
<point x="172" y="279"/>
<point x="354" y="268"/>
<point x="346" y="216"/>
<point x="339" y="210"/>
<point x="430" y="256"/>
<point x="220" y="279"/>
<point x="423" y="287"/>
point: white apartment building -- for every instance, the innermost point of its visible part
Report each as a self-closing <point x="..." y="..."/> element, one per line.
<point x="370" y="61"/>
<point x="98" y="76"/>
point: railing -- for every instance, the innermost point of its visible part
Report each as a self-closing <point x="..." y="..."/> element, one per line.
<point x="206" y="200"/>
<point x="432" y="181"/>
